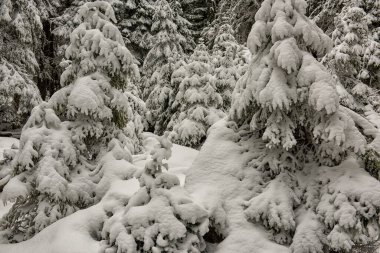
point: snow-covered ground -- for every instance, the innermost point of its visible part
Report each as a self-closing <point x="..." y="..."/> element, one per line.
<point x="215" y="178"/>
<point x="77" y="232"/>
<point x="218" y="162"/>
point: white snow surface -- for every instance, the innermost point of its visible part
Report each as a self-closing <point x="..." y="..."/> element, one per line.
<point x="76" y="233"/>
<point x="212" y="176"/>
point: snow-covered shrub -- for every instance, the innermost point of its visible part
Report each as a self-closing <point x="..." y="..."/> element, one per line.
<point x="6" y="165"/>
<point x="66" y="136"/>
<point x="197" y="101"/>
<point x="345" y="202"/>
<point x="116" y="164"/>
<point x="49" y="178"/>
<point x="289" y="102"/>
<point x="160" y="217"/>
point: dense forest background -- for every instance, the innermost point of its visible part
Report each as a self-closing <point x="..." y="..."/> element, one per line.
<point x="39" y="30"/>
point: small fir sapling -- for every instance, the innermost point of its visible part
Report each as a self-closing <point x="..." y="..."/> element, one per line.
<point x="160" y="216"/>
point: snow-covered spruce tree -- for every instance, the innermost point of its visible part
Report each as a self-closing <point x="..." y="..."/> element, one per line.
<point x="135" y="21"/>
<point x="183" y="26"/>
<point x="159" y="217"/>
<point x="95" y="51"/>
<point x="65" y="136"/>
<point x="289" y="103"/>
<point x="226" y="75"/>
<point x="225" y="71"/>
<point x="324" y="12"/>
<point x="224" y="39"/>
<point x="63" y="25"/>
<point x="242" y="59"/>
<point x="196" y="101"/>
<point x="355" y="58"/>
<point x="18" y="95"/>
<point x="160" y="100"/>
<point x="239" y="14"/>
<point x="199" y="13"/>
<point x="20" y="33"/>
<point x="158" y="66"/>
<point x="210" y="33"/>
<point x="166" y="38"/>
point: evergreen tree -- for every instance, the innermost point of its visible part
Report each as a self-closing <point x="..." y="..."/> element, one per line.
<point x="226" y="77"/>
<point x="242" y="60"/>
<point x="324" y="12"/>
<point x="160" y="217"/>
<point x="197" y="101"/>
<point x="167" y="40"/>
<point x="158" y="66"/>
<point x="183" y="26"/>
<point x="225" y="39"/>
<point x="239" y="14"/>
<point x="224" y="56"/>
<point x="65" y="136"/>
<point x="135" y="24"/>
<point x="210" y="33"/>
<point x="20" y="34"/>
<point x="199" y="13"/>
<point x="18" y="95"/>
<point x="355" y="58"/>
<point x="288" y="103"/>
<point x="160" y="99"/>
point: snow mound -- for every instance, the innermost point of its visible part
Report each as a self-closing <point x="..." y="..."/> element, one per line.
<point x="214" y="181"/>
<point x="6" y="143"/>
